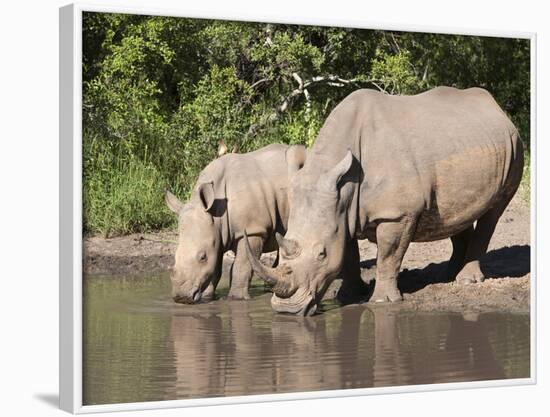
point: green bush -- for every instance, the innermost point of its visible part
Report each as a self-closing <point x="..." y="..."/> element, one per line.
<point x="159" y="93"/>
<point x="123" y="197"/>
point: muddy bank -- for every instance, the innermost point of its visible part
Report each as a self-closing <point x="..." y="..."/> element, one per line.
<point x="136" y="253"/>
<point x="422" y="280"/>
<point x="139" y="254"/>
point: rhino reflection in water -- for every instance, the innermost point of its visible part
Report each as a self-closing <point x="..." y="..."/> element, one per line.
<point x="242" y="350"/>
<point x="198" y="346"/>
<point x="468" y="339"/>
<point x="395" y="170"/>
<point x="220" y="353"/>
<point x="455" y="349"/>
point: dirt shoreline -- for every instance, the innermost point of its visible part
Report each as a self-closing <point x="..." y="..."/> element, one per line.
<point x="506" y="265"/>
<point x="130" y="254"/>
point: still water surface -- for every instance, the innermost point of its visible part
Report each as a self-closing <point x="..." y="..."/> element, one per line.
<point x="141" y="346"/>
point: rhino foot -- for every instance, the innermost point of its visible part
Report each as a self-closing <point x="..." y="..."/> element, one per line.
<point x="468" y="276"/>
<point x="238" y="294"/>
<point x="467" y="280"/>
<point x="385" y="292"/>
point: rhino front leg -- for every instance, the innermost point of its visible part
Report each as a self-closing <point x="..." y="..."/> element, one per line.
<point x="209" y="293"/>
<point x="241" y="272"/>
<point x="353" y="287"/>
<point x="392" y="240"/>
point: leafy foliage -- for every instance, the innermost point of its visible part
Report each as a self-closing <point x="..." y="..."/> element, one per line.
<point x="159" y="93"/>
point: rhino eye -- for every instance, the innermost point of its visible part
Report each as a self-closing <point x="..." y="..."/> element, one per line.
<point x="322" y="254"/>
<point x="202" y="258"/>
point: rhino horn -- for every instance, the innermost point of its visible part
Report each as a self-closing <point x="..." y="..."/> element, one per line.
<point x="288" y="246"/>
<point x="173" y="202"/>
<point x="282" y="283"/>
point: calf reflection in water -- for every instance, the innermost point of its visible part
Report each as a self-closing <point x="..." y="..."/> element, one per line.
<point x="197" y="341"/>
<point x="243" y="348"/>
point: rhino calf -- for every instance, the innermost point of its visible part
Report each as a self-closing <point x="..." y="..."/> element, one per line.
<point x="233" y="193"/>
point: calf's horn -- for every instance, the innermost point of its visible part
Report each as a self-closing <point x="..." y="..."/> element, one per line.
<point x="283" y="286"/>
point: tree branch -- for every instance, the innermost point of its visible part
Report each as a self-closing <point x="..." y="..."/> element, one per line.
<point x="257" y="83"/>
<point x="395" y="42"/>
<point x="303" y="89"/>
<point x="425" y="75"/>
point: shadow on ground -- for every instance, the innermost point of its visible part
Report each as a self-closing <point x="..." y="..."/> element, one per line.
<point x="510" y="261"/>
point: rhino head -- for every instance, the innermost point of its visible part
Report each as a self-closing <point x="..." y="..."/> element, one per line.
<point x="199" y="254"/>
<point x="312" y="251"/>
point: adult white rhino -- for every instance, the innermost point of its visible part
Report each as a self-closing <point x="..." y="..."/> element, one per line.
<point x="395" y="169"/>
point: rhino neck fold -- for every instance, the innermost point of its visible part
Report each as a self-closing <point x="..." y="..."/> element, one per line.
<point x="353" y="212"/>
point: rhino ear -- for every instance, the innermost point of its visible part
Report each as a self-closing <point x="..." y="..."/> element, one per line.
<point x="222" y="148"/>
<point x="331" y="179"/>
<point x="173" y="202"/>
<point x="206" y="194"/>
<point x="295" y="158"/>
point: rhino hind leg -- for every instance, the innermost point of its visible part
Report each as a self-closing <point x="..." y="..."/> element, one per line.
<point x="241" y="271"/>
<point x="392" y="239"/>
<point x="353" y="288"/>
<point x="486" y="224"/>
<point x="460" y="246"/>
<point x="478" y="244"/>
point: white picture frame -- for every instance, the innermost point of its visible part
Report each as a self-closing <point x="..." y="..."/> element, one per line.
<point x="70" y="212"/>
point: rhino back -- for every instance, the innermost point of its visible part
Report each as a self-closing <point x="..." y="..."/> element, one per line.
<point x="447" y="155"/>
<point x="256" y="187"/>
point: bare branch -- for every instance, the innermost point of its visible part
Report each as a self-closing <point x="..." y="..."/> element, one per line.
<point x="331" y="80"/>
<point x="395" y="42"/>
<point x="303" y="89"/>
<point x="425" y="75"/>
<point x="336" y="81"/>
<point x="298" y="79"/>
<point x="257" y="83"/>
<point x="377" y="86"/>
<point x="268" y="31"/>
<point x="308" y="100"/>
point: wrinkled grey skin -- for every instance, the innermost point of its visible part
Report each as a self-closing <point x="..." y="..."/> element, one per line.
<point x="395" y="170"/>
<point x="233" y="193"/>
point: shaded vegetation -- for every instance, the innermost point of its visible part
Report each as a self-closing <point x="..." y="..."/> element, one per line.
<point x="159" y="93"/>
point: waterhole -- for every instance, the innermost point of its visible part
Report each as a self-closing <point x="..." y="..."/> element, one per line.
<point x="139" y="345"/>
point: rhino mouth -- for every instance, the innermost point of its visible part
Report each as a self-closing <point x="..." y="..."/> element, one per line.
<point x="301" y="304"/>
<point x="180" y="299"/>
<point x="195" y="296"/>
